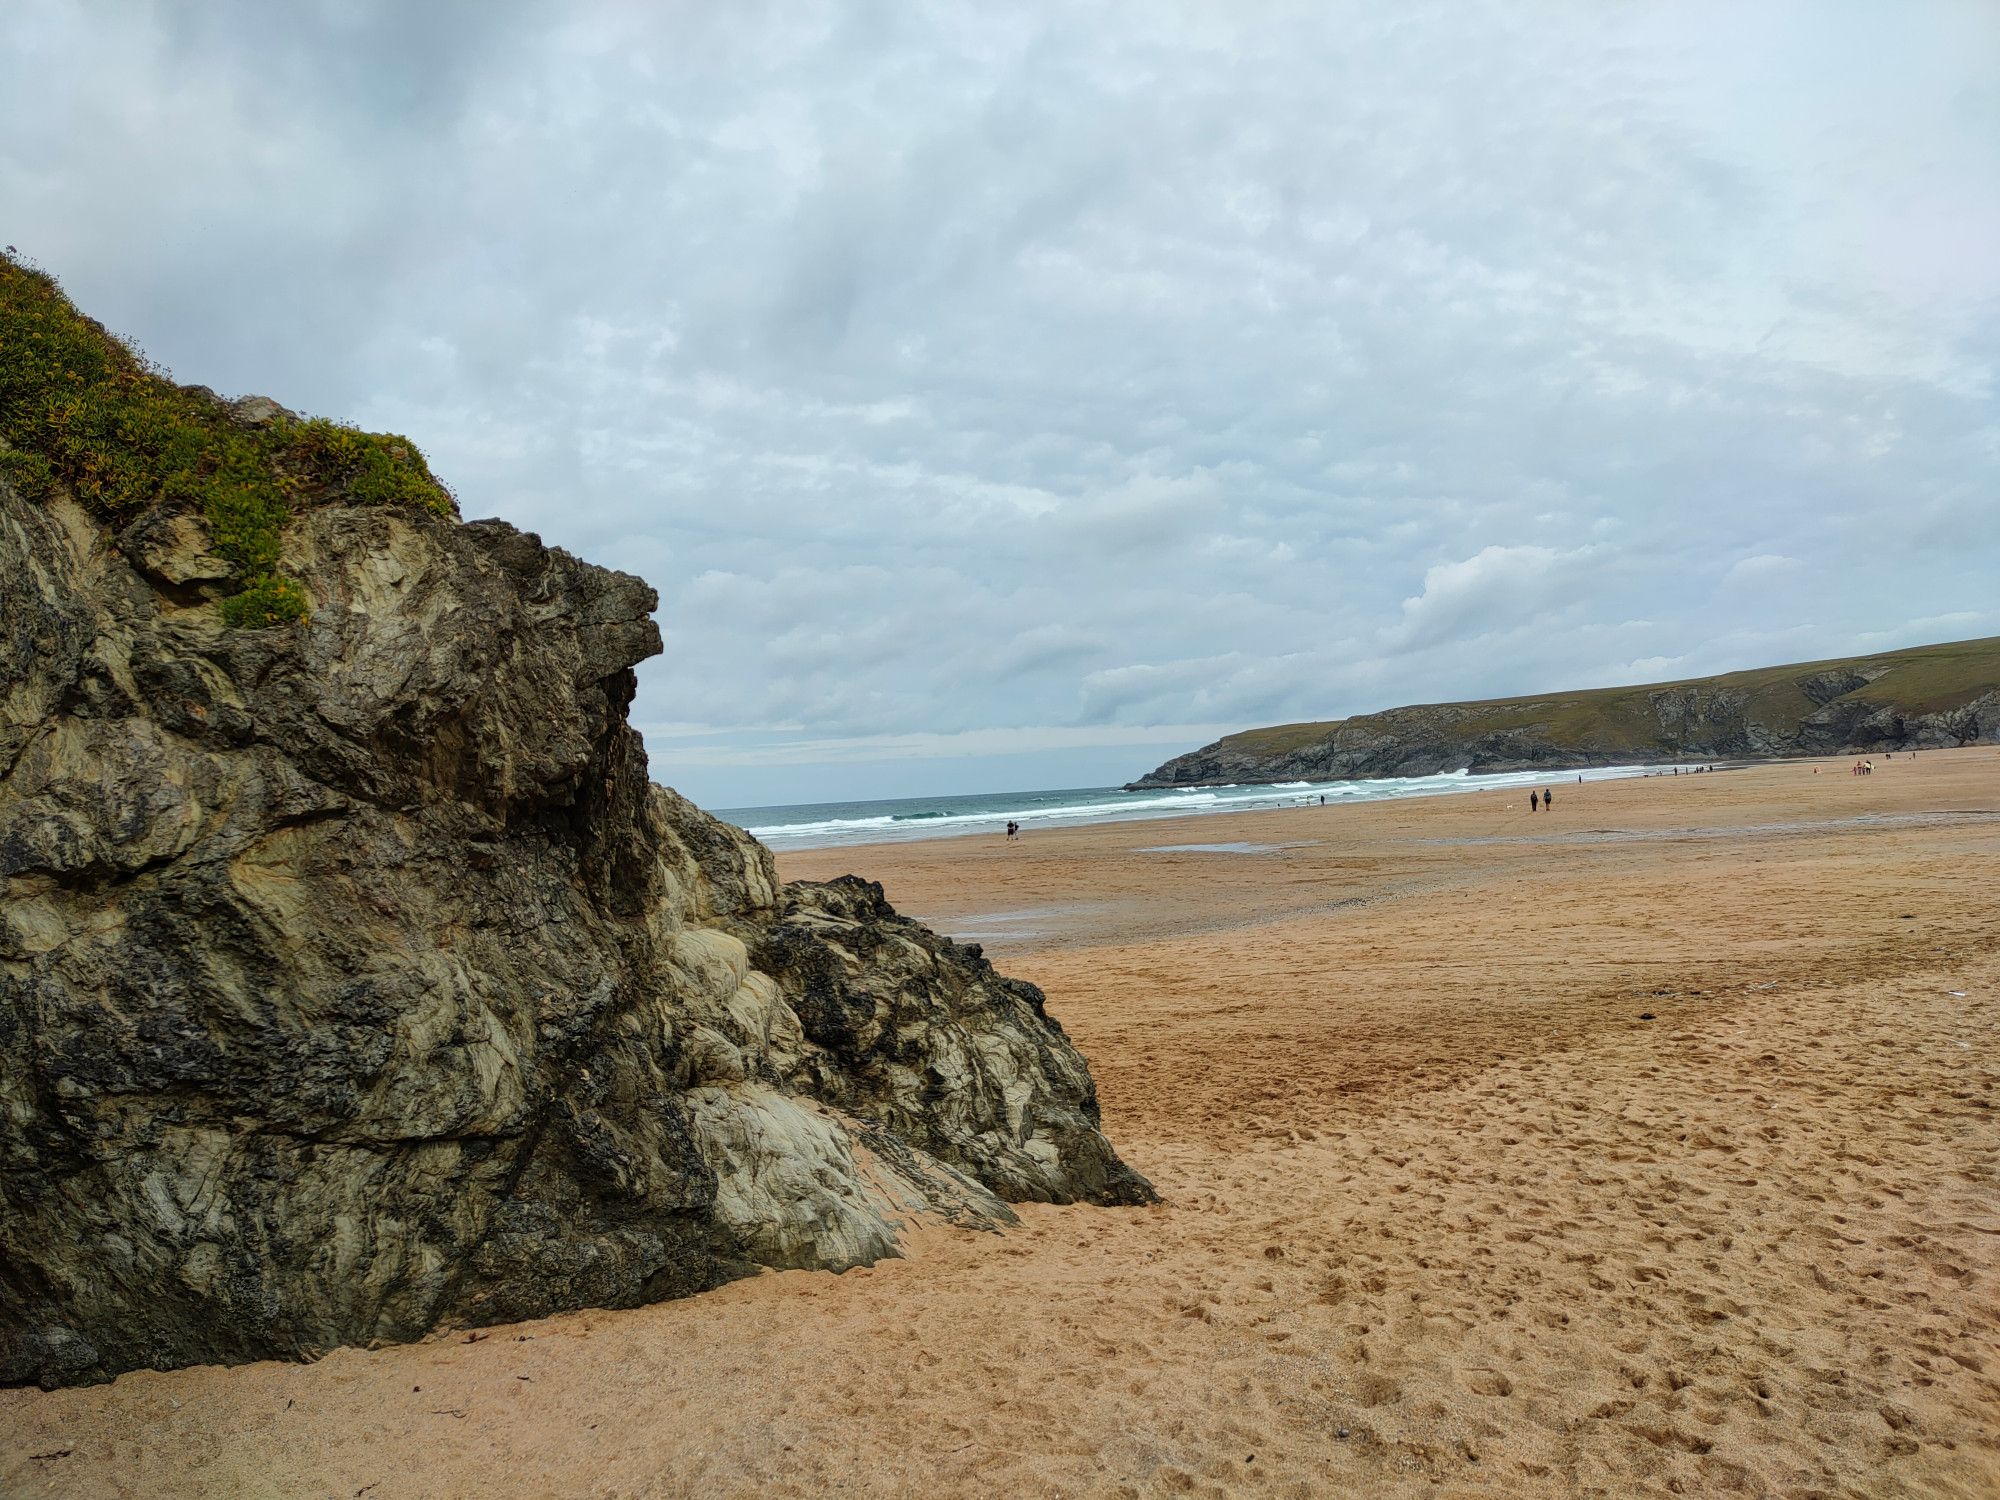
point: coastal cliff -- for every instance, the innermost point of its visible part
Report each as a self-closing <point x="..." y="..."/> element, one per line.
<point x="355" y="980"/>
<point x="1923" y="697"/>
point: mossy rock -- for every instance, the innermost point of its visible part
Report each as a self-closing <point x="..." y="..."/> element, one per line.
<point x="83" y="411"/>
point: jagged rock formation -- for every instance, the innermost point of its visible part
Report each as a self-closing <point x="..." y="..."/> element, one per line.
<point x="355" y="980"/>
<point x="1924" y="697"/>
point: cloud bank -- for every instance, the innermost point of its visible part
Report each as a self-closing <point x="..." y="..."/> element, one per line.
<point x="999" y="392"/>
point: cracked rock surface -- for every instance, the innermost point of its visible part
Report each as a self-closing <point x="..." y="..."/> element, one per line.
<point x="355" y="979"/>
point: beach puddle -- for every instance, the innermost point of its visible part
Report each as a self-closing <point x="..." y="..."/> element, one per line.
<point x="1021" y="925"/>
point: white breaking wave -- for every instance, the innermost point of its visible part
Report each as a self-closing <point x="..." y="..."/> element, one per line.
<point x="1032" y="810"/>
<point x="925" y="826"/>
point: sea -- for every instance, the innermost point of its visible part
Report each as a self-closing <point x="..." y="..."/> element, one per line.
<point x="818" y="825"/>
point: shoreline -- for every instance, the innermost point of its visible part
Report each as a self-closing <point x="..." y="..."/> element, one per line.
<point x="1636" y="767"/>
<point x="1086" y="889"/>
<point x="1041" y="817"/>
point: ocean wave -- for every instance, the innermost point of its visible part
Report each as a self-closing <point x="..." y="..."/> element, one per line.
<point x="1032" y="810"/>
<point x="1084" y="812"/>
<point x="827" y="825"/>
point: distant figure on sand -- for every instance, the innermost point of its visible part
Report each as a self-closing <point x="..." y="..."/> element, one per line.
<point x="1534" y="802"/>
<point x="1548" y="798"/>
<point x="1013" y="828"/>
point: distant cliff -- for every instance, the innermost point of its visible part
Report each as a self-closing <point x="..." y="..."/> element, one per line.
<point x="355" y="979"/>
<point x="1927" y="696"/>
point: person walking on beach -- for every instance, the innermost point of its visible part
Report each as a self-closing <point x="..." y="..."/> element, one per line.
<point x="1534" y="802"/>
<point x="1548" y="799"/>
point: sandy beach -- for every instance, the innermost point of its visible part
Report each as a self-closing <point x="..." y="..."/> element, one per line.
<point x="1644" y="1147"/>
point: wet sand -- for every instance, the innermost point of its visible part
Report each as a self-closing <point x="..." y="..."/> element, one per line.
<point x="1640" y="1148"/>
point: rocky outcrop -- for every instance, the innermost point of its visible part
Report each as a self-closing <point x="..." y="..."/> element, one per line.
<point x="1925" y="697"/>
<point x="355" y="979"/>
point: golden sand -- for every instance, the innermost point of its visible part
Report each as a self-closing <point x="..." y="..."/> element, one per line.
<point x="1645" y="1147"/>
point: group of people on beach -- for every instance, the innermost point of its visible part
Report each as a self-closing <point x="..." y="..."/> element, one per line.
<point x="1013" y="829"/>
<point x="1543" y="801"/>
<point x="1862" y="768"/>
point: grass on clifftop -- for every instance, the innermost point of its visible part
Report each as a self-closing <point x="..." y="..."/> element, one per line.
<point x="79" y="409"/>
<point x="1916" y="680"/>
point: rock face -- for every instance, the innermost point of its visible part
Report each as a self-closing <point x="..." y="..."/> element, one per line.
<point x="1925" y="697"/>
<point x="355" y="980"/>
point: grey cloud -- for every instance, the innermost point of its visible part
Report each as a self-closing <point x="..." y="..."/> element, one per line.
<point x="959" y="370"/>
<point x="1496" y="590"/>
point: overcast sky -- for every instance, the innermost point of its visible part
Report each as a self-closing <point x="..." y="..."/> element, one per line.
<point x="1006" y="396"/>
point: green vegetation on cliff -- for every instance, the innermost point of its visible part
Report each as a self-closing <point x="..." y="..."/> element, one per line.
<point x="1943" y="694"/>
<point x="81" y="410"/>
<point x="1924" y="679"/>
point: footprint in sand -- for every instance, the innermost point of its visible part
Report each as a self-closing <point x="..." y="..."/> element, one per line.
<point x="1488" y="1383"/>
<point x="1377" y="1390"/>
